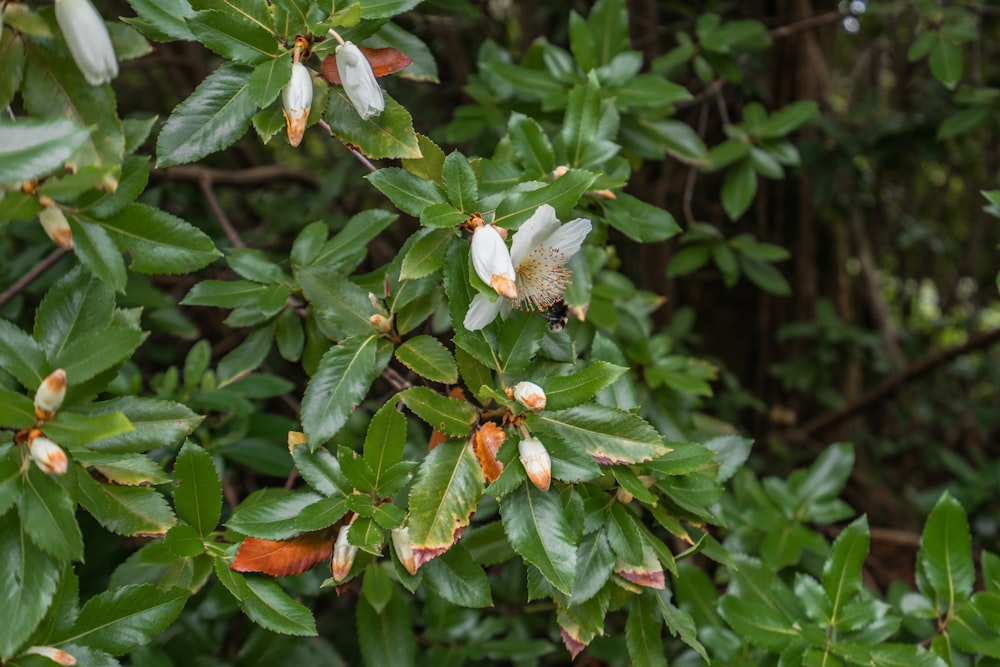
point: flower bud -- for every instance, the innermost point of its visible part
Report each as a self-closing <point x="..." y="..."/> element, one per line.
<point x="379" y="322"/>
<point x="343" y="555"/>
<point x="48" y="456"/>
<point x="536" y="462"/>
<point x="50" y="394"/>
<point x="359" y="81"/>
<point x="491" y="260"/>
<point x="88" y="40"/>
<point x="403" y="546"/>
<point x="296" y="97"/>
<point x="54" y="223"/>
<point x="528" y="394"/>
<point x="56" y="655"/>
<point x="623" y="496"/>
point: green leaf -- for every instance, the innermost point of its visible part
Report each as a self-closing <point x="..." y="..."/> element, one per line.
<point x="451" y="416"/>
<point x="760" y="624"/>
<point x="223" y="293"/>
<point x="10" y="477"/>
<point x="643" y="632"/>
<point x="16" y="410"/>
<point x="352" y="241"/>
<point x="963" y="122"/>
<point x="519" y="339"/>
<point x="97" y="251"/>
<point x="610" y="436"/>
<point x="120" y="620"/>
<point x="34" y="147"/>
<point x="443" y="498"/>
<point x="270" y="607"/>
<point x="245" y="357"/>
<point x="580" y="124"/>
<point x="386" y="638"/>
<point x="426" y="255"/>
<point x="163" y="20"/>
<point x="410" y="194"/>
<point x="789" y="118"/>
<point x="321" y="514"/>
<point x="76" y="430"/>
<point x="270" y="513"/>
<point x="638" y="220"/>
<point x="125" y="510"/>
<point x="337" y="300"/>
<point x="539" y="531"/>
<point x="28" y="581"/>
<point x="569" y="391"/>
<point x="384" y="442"/>
<point x="321" y="470"/>
<point x="382" y="9"/>
<point x="532" y="145"/>
<point x="458" y="578"/>
<point x="387" y="135"/>
<point x="340" y="383"/>
<point x="946" y="62"/>
<point x="158" y="241"/>
<point x="198" y="494"/>
<point x="739" y="189"/>
<point x="97" y="351"/>
<point x="679" y="140"/>
<point x="460" y="183"/>
<point x="77" y="304"/>
<point x="427" y="357"/>
<point x="764" y="275"/>
<point x="269" y="78"/>
<point x="155" y="423"/>
<point x="562" y="194"/>
<point x="126" y="469"/>
<point x="48" y="515"/>
<point x="12" y="55"/>
<point x="21" y="356"/>
<point x="442" y="216"/>
<point x="233" y="37"/>
<point x="898" y="655"/>
<point x="944" y="561"/>
<point x="594" y="561"/>
<point x="212" y="118"/>
<point x="842" y="570"/>
<point x="679" y="622"/>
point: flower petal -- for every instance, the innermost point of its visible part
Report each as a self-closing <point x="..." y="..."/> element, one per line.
<point x="568" y="238"/>
<point x="533" y="232"/>
<point x="481" y="312"/>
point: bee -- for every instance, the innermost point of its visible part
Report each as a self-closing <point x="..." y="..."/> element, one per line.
<point x="557" y="314"/>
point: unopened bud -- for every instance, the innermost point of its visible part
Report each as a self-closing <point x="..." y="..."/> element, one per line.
<point x="48" y="456"/>
<point x="343" y="555"/>
<point x="359" y="81"/>
<point x="536" y="462"/>
<point x="296" y="98"/>
<point x="88" y="40"/>
<point x="50" y="394"/>
<point x="528" y="394"/>
<point x="560" y="171"/>
<point x="379" y="322"/>
<point x="55" y="225"/>
<point x="56" y="655"/>
<point x="623" y="496"/>
<point x="403" y="546"/>
<point x="491" y="260"/>
<point x="604" y="194"/>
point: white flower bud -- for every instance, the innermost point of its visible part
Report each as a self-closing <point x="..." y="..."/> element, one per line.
<point x="528" y="394"/>
<point x="48" y="456"/>
<point x="88" y="40"/>
<point x="403" y="546"/>
<point x="56" y="655"/>
<point x="55" y="225"/>
<point x="343" y="555"/>
<point x="359" y="81"/>
<point x="50" y="394"/>
<point x="536" y="462"/>
<point x="491" y="260"/>
<point x="296" y="97"/>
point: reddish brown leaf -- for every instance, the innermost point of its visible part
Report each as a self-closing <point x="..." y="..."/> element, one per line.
<point x="573" y="645"/>
<point x="384" y="61"/>
<point x="437" y="437"/>
<point x="423" y="554"/>
<point x="487" y="441"/>
<point x="283" y="558"/>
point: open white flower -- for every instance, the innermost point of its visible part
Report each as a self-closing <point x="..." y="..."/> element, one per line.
<point x="359" y="81"/>
<point x="296" y="98"/>
<point x="88" y="40"/>
<point x="539" y="252"/>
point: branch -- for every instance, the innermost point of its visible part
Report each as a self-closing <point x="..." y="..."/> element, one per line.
<point x="251" y="176"/>
<point x="27" y="278"/>
<point x="805" y="24"/>
<point x="889" y="386"/>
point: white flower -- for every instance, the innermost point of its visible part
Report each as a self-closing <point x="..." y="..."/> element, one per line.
<point x="491" y="260"/>
<point x="296" y="97"/>
<point x="343" y="555"/>
<point x="535" y="459"/>
<point x="359" y="81"/>
<point x="48" y="456"/>
<point x="88" y="40"/>
<point x="529" y="394"/>
<point x="50" y="394"/>
<point x="56" y="226"/>
<point x="539" y="252"/>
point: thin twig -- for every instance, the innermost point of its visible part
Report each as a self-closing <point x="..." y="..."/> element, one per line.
<point x="692" y="174"/>
<point x="252" y="176"/>
<point x="398" y="382"/>
<point x="34" y="272"/>
<point x="205" y="183"/>
<point x="805" y="24"/>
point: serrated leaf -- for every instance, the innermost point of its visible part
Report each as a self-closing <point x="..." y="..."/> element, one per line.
<point x="75" y="305"/>
<point x="125" y="469"/>
<point x="569" y="391"/>
<point x="443" y="498"/>
<point x="451" y="416"/>
<point x="232" y="36"/>
<point x="643" y="633"/>
<point x="426" y="255"/>
<point x="270" y="513"/>
<point x="198" y="494"/>
<point x="216" y="114"/>
<point x="562" y="194"/>
<point x="21" y="356"/>
<point x="28" y="581"/>
<point x="427" y="357"/>
<point x="352" y="240"/>
<point x="759" y="624"/>
<point x="48" y="516"/>
<point x="97" y="351"/>
<point x="593" y="566"/>
<point x="97" y="251"/>
<point x="283" y="558"/>
<point x="163" y="20"/>
<point x="270" y="607"/>
<point x="610" y="436"/>
<point x="120" y="620"/>
<point x="460" y="183"/>
<point x="386" y="638"/>
<point x="457" y="578"/>
<point x="532" y="145"/>
<point x="789" y="118"/>
<point x="155" y="423"/>
<point x="739" y="188"/>
<point x="125" y="510"/>
<point x="538" y="529"/>
<point x="387" y="135"/>
<point x="842" y="570"/>
<point x="321" y="470"/>
<point x="410" y="194"/>
<point x="158" y="241"/>
<point x="76" y="430"/>
<point x="16" y="410"/>
<point x="640" y="221"/>
<point x="337" y="299"/>
<point x="340" y="383"/>
<point x="384" y="441"/>
<point x="33" y="147"/>
<point x="944" y="561"/>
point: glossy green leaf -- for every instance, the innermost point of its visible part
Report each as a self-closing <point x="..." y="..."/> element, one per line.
<point x="532" y="145"/>
<point x="789" y="118"/>
<point x="198" y="494"/>
<point x="562" y="194"/>
<point x="215" y="115"/>
<point x="898" y="655"/>
<point x="232" y="36"/>
<point x="12" y="55"/>
<point x="679" y="622"/>
<point x="120" y="620"/>
<point x="163" y="19"/>
<point x="245" y="357"/>
<point x="158" y="241"/>
<point x="21" y="356"/>
<point x="340" y="383"/>
<point x="387" y="135"/>
<point x="765" y="276"/>
<point x="426" y="255"/>
<point x="77" y="304"/>
<point x="321" y="470"/>
<point x="427" y="357"/>
<point x="457" y="578"/>
<point x="125" y="469"/>
<point x="538" y="529"/>
<point x="451" y="416"/>
<point x="270" y="607"/>
<point x="33" y="147"/>
<point x="270" y="513"/>
<point x="384" y="441"/>
<point x="97" y="251"/>
<point x="594" y="562"/>
<point x="580" y="124"/>
<point x="16" y="410"/>
<point x="640" y="221"/>
<point x="410" y="194"/>
<point x="28" y="581"/>
<point x="321" y="514"/>
<point x="760" y="624"/>
<point x="97" y="351"/>
<point x="386" y="638"/>
<point x="443" y="498"/>
<point x="72" y="429"/>
<point x="10" y="477"/>
<point x="353" y="239"/>
<point x="125" y="510"/>
<point x="946" y="62"/>
<point x="739" y="189"/>
<point x="643" y="631"/>
<point x="520" y="337"/>
<point x="460" y="183"/>
<point x="679" y="140"/>
<point x="48" y="515"/>
<point x="569" y="391"/>
<point x="155" y="423"/>
<point x="610" y="436"/>
<point x="842" y="570"/>
<point x="944" y="561"/>
<point x="337" y="300"/>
